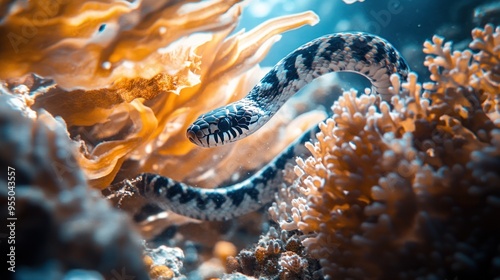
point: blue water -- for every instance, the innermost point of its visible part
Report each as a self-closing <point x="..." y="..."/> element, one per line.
<point x="405" y="23"/>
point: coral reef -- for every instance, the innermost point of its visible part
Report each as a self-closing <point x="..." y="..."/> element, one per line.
<point x="276" y="256"/>
<point x="62" y="228"/>
<point x="96" y="91"/>
<point x="137" y="117"/>
<point x="409" y="189"/>
<point x="125" y="79"/>
<point x="133" y="107"/>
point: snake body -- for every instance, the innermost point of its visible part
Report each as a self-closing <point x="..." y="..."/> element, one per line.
<point x="363" y="53"/>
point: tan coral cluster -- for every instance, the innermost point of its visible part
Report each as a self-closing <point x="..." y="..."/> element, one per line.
<point x="410" y="189"/>
<point x="276" y="256"/>
<point x="131" y="77"/>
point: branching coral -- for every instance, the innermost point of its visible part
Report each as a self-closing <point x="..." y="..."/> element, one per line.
<point x="480" y="71"/>
<point x="408" y="190"/>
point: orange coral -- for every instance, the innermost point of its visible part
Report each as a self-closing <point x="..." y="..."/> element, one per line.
<point x="480" y="71"/>
<point x="414" y="182"/>
<point x="88" y="45"/>
<point x="130" y="78"/>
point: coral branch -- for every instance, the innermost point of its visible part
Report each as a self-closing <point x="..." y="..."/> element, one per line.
<point x="384" y="180"/>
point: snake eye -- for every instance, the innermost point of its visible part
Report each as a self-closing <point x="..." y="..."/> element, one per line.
<point x="224" y="124"/>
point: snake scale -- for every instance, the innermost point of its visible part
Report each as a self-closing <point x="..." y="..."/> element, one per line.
<point x="363" y="53"/>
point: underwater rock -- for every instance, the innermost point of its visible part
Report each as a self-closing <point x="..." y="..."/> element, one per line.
<point x="237" y="276"/>
<point x="164" y="262"/>
<point x="487" y="13"/>
<point x="62" y="227"/>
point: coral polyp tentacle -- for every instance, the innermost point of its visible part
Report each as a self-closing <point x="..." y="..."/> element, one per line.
<point x="363" y="53"/>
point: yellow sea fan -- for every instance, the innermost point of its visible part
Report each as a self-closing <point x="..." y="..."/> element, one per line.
<point x="212" y="70"/>
<point x="130" y="78"/>
<point x="89" y="45"/>
<point x="231" y="70"/>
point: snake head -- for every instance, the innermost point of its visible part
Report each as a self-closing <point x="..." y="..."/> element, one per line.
<point x="224" y="125"/>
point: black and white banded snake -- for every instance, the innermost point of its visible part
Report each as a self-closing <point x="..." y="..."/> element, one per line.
<point x="363" y="53"/>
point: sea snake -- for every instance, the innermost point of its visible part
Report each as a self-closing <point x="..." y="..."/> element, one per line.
<point x="363" y="53"/>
